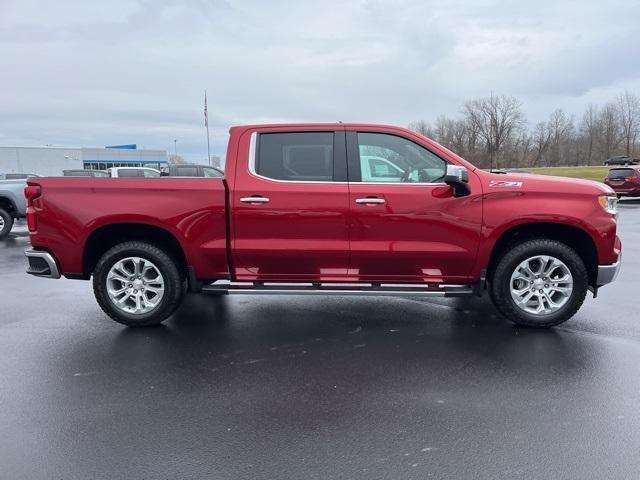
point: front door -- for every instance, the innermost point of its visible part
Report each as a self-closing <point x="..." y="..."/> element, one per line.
<point x="290" y="207"/>
<point x="405" y="223"/>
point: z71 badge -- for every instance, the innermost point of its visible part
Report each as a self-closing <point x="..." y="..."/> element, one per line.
<point x="503" y="183"/>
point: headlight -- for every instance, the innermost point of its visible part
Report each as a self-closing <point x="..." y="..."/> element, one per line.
<point x="609" y="203"/>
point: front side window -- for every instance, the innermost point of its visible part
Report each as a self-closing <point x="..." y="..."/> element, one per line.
<point x="295" y="156"/>
<point x="389" y="158"/>
<point x="150" y="174"/>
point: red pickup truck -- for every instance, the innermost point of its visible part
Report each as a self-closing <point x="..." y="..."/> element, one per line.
<point x="347" y="209"/>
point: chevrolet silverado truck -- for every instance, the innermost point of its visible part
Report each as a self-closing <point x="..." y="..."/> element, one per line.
<point x="317" y="209"/>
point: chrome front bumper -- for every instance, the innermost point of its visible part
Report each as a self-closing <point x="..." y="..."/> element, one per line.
<point x="41" y="264"/>
<point x="608" y="273"/>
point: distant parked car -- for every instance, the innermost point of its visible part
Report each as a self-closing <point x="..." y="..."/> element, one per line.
<point x="16" y="176"/>
<point x="191" y="171"/>
<point x="624" y="181"/>
<point x="621" y="160"/>
<point x="12" y="203"/>
<point x="129" y="172"/>
<point x="84" y="173"/>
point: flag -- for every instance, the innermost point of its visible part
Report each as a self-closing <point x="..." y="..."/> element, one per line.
<point x="206" y="115"/>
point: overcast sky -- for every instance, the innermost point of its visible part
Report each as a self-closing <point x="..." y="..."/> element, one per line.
<point x="92" y="73"/>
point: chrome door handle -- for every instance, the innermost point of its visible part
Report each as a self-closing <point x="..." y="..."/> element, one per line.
<point x="254" y="199"/>
<point x="370" y="200"/>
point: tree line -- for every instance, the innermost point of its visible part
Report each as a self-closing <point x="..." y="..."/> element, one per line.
<point x="492" y="132"/>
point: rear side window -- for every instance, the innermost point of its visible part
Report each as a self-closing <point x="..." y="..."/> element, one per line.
<point x="295" y="156"/>
<point x="622" y="173"/>
<point x="129" y="173"/>
<point x="187" y="171"/>
<point x="150" y="174"/>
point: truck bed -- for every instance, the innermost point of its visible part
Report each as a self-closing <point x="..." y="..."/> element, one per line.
<point x="71" y="213"/>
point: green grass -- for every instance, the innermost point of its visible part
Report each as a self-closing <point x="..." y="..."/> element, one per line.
<point x="589" y="173"/>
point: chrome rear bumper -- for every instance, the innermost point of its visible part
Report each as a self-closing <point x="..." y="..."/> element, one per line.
<point x="41" y="264"/>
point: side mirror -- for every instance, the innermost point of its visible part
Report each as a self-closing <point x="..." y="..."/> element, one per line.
<point x="458" y="178"/>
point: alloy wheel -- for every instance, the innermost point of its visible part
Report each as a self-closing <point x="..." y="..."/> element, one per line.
<point x="541" y="285"/>
<point x="135" y="285"/>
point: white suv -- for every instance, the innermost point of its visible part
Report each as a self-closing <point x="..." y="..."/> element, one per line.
<point x="119" y="172"/>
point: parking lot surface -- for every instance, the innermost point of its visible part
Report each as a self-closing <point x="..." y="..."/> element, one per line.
<point x="277" y="387"/>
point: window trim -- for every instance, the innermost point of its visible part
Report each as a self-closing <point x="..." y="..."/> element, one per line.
<point x="253" y="154"/>
<point x="353" y="159"/>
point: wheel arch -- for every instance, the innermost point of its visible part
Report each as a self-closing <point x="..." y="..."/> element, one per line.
<point x="6" y="203"/>
<point x="107" y="236"/>
<point x="572" y="236"/>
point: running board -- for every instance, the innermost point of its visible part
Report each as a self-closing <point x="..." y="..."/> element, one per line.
<point x="225" y="287"/>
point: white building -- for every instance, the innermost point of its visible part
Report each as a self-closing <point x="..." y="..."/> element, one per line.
<point x="51" y="161"/>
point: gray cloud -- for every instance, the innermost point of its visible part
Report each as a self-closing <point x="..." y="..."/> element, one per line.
<point x="89" y="73"/>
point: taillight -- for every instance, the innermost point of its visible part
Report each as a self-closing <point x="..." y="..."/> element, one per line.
<point x="32" y="192"/>
<point x="32" y="223"/>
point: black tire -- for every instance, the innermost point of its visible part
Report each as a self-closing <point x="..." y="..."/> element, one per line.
<point x="171" y="272"/>
<point x="7" y="223"/>
<point x="499" y="286"/>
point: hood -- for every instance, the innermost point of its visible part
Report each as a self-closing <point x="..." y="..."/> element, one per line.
<point x="543" y="183"/>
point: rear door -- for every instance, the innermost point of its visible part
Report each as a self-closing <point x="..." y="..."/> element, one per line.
<point x="405" y="223"/>
<point x="290" y="206"/>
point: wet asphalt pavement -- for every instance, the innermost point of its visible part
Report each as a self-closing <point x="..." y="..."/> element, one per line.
<point x="316" y="387"/>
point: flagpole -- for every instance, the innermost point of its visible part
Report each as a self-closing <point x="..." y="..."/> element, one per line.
<point x="206" y="122"/>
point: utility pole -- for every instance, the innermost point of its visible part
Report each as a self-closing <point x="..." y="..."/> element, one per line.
<point x="175" y="147"/>
<point x="206" y="124"/>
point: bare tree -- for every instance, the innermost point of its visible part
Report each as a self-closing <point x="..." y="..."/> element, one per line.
<point x="421" y="127"/>
<point x="629" y="116"/>
<point x="492" y="132"/>
<point x="459" y="137"/>
<point x="442" y="130"/>
<point x="176" y="159"/>
<point x="496" y="119"/>
<point x="541" y="141"/>
<point x="609" y="137"/>
<point x="590" y="130"/>
<point x="561" y="129"/>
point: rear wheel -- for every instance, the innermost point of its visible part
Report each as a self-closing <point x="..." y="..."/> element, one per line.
<point x="539" y="283"/>
<point x="6" y="223"/>
<point x="138" y="284"/>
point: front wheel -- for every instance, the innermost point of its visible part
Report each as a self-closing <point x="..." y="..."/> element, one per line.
<point x="539" y="283"/>
<point x="138" y="284"/>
